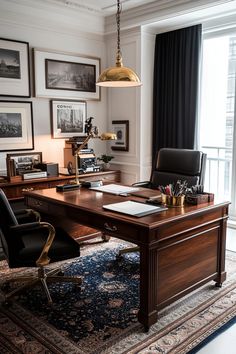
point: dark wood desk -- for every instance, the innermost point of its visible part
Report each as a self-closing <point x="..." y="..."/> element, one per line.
<point x="180" y="249"/>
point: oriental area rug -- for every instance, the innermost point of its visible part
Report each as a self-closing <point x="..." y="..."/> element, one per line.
<point x="101" y="315"/>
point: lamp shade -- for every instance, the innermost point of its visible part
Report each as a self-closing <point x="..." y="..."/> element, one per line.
<point x="108" y="136"/>
<point x="118" y="76"/>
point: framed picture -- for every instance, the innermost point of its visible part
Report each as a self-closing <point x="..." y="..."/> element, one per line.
<point x="68" y="118"/>
<point x="65" y="75"/>
<point x="16" y="126"/>
<point x="22" y="162"/>
<point x="121" y="129"/>
<point x="14" y="68"/>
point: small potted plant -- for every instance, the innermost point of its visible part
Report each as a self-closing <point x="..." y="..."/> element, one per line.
<point x="106" y="161"/>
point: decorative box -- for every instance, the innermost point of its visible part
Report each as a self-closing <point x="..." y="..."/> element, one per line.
<point x="199" y="198"/>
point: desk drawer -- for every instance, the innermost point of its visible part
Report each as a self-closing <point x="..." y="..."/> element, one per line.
<point x="37" y="205"/>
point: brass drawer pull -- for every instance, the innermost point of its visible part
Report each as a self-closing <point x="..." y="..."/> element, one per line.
<point x="27" y="189"/>
<point x="37" y="203"/>
<point x="110" y="228"/>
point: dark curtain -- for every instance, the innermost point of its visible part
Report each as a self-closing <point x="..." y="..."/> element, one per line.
<point x="175" y="94"/>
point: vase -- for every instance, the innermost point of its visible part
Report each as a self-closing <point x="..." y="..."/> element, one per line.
<point x="106" y="166"/>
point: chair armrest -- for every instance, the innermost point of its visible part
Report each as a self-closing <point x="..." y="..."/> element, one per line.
<point x="25" y="215"/>
<point x="25" y="227"/>
<point x="144" y="184"/>
<point x="43" y="259"/>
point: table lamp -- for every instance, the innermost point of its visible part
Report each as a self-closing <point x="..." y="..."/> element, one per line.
<point x="92" y="133"/>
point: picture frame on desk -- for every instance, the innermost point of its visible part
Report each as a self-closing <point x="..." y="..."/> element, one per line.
<point x="16" y="163"/>
<point x="121" y="129"/>
<point x="65" y="75"/>
<point x="16" y="126"/>
<point x="68" y="118"/>
<point x="14" y="68"/>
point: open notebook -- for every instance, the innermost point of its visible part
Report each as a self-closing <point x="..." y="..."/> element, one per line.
<point x="134" y="208"/>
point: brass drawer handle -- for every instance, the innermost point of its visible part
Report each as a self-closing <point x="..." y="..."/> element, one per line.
<point x="110" y="228"/>
<point x="27" y="189"/>
<point x="38" y="203"/>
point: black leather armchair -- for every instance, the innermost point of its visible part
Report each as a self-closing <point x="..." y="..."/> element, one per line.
<point x="173" y="165"/>
<point x="34" y="244"/>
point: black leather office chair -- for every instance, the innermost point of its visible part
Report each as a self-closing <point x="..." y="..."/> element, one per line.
<point x="177" y="164"/>
<point x="173" y="165"/>
<point x="34" y="244"/>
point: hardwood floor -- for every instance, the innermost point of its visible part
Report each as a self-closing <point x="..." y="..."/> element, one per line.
<point x="224" y="343"/>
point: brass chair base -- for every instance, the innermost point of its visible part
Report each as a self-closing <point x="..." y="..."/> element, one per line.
<point x="128" y="250"/>
<point x="42" y="277"/>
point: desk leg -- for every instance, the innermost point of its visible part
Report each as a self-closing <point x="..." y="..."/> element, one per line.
<point x="148" y="287"/>
<point x="221" y="251"/>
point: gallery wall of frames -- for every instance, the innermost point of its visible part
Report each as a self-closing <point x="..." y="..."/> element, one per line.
<point x="67" y="79"/>
<point x="47" y="90"/>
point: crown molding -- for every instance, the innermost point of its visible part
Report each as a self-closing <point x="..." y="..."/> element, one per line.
<point x="162" y="10"/>
<point x="45" y="14"/>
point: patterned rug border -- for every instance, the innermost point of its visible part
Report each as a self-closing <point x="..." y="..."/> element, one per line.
<point x="154" y="337"/>
<point x="229" y="321"/>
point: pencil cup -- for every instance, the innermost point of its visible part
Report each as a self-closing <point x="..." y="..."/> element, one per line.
<point x="172" y="201"/>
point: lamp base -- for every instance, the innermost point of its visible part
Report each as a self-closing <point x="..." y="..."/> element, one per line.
<point x="67" y="187"/>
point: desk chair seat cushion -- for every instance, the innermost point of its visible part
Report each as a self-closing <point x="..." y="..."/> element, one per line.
<point x="63" y="247"/>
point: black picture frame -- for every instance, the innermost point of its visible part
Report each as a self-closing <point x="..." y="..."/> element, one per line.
<point x="121" y="129"/>
<point x="16" y="126"/>
<point x="68" y="118"/>
<point x="14" y="68"/>
<point x="67" y="69"/>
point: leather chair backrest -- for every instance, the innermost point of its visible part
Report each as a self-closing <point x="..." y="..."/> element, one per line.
<point x="7" y="219"/>
<point x="179" y="164"/>
<point x="7" y="216"/>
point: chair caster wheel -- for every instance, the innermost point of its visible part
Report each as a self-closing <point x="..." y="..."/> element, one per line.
<point x="105" y="238"/>
<point x="218" y="285"/>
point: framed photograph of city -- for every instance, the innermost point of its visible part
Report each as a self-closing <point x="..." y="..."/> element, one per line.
<point x="68" y="118"/>
<point x="16" y="126"/>
<point x="121" y="129"/>
<point x="65" y="75"/>
<point x="14" y="68"/>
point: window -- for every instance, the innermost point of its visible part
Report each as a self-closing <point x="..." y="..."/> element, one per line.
<point x="217" y="114"/>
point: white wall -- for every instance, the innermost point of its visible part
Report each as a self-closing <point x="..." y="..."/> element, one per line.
<point x="124" y="104"/>
<point x="59" y="38"/>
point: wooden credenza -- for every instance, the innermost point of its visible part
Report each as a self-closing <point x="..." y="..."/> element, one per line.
<point x="15" y="193"/>
<point x="15" y="190"/>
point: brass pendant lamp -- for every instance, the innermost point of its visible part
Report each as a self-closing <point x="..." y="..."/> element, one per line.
<point x="119" y="75"/>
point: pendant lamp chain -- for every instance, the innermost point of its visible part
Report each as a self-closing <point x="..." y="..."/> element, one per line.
<point x="118" y="54"/>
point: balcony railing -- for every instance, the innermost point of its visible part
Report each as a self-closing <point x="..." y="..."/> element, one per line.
<point x="218" y="170"/>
